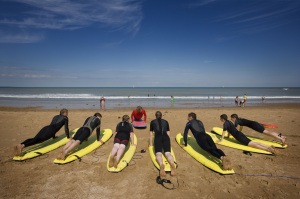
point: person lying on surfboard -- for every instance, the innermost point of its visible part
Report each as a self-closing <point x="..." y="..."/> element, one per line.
<point x="239" y="136"/>
<point x="124" y="132"/>
<point x="256" y="127"/>
<point x="162" y="143"/>
<point x="46" y="132"/>
<point x="82" y="134"/>
<point x="204" y="140"/>
<point x="138" y="113"/>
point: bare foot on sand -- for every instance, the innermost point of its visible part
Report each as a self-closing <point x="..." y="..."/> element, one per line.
<point x="173" y="170"/>
<point x="272" y="150"/>
<point x="115" y="162"/>
<point x="282" y="138"/>
<point x="61" y="156"/>
<point x="18" y="149"/>
<point x="226" y="163"/>
<point x="111" y="161"/>
<point x="162" y="171"/>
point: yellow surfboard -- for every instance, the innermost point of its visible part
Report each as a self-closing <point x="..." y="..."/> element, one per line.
<point x="125" y="159"/>
<point x="86" y="147"/>
<point x="205" y="158"/>
<point x="44" y="147"/>
<point x="219" y="131"/>
<point x="165" y="161"/>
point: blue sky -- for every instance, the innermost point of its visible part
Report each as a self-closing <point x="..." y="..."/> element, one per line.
<point x="202" y="43"/>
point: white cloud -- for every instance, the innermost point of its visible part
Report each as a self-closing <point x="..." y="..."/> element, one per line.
<point x="20" y="37"/>
<point x="119" y="15"/>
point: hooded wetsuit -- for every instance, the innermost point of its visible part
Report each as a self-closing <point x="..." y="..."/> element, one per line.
<point x="239" y="136"/>
<point x="203" y="139"/>
<point x="161" y="138"/>
<point x="88" y="127"/>
<point x="49" y="131"/>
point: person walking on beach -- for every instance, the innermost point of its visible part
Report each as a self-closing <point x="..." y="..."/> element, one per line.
<point x="102" y="103"/>
<point x="244" y="100"/>
<point x="239" y="136"/>
<point x="256" y="127"/>
<point x="46" y="132"/>
<point x="204" y="140"/>
<point x="138" y="114"/>
<point x="162" y="143"/>
<point x="124" y="132"/>
<point x="82" y="134"/>
<point x="236" y="101"/>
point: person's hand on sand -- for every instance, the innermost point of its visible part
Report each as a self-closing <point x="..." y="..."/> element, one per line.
<point x="220" y="140"/>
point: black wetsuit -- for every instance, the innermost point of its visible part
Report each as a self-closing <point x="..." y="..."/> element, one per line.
<point x="49" y="131"/>
<point x="249" y="123"/>
<point x="84" y="132"/>
<point x="123" y="130"/>
<point x="162" y="141"/>
<point x="239" y="136"/>
<point x="202" y="138"/>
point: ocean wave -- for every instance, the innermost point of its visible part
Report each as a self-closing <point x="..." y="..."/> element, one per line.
<point x="90" y="96"/>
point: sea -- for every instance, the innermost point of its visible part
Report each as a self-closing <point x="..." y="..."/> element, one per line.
<point x="151" y="97"/>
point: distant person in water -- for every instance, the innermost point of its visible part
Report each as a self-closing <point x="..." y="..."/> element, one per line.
<point x="47" y="132"/>
<point x="162" y="144"/>
<point x="236" y="101"/>
<point x="138" y="114"/>
<point x="124" y="132"/>
<point x="204" y="140"/>
<point x="102" y="103"/>
<point x="82" y="134"/>
<point x="240" y="137"/>
<point x="256" y="127"/>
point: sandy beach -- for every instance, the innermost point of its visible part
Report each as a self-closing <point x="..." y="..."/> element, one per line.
<point x="257" y="176"/>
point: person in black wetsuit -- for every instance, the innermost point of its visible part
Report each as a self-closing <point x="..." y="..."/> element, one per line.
<point x="124" y="132"/>
<point x="256" y="127"/>
<point x="204" y="140"/>
<point x="239" y="136"/>
<point x="162" y="143"/>
<point x="82" y="134"/>
<point x="46" y="132"/>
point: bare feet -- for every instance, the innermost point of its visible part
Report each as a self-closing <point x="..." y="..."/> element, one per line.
<point x="162" y="170"/>
<point x="18" y="149"/>
<point x="61" y="156"/>
<point x="173" y="170"/>
<point x="115" y="162"/>
<point x="272" y="150"/>
<point x="111" y="161"/>
<point x="282" y="139"/>
<point x="226" y="163"/>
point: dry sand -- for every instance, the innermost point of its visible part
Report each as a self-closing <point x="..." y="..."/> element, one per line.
<point x="40" y="178"/>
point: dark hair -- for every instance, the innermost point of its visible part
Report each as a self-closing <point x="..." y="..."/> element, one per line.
<point x="234" y="116"/>
<point x="193" y="115"/>
<point x="139" y="108"/>
<point x="62" y="111"/>
<point x="224" y="117"/>
<point x="158" y="114"/>
<point x="97" y="115"/>
<point x="125" y="118"/>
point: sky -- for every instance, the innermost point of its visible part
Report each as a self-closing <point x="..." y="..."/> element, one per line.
<point x="150" y="43"/>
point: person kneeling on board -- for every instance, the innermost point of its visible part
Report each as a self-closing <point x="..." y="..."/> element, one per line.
<point x="161" y="130"/>
<point x="82" y="134"/>
<point x="256" y="127"/>
<point x="138" y="114"/>
<point x="46" y="132"/>
<point x="239" y="136"/>
<point x="204" y="140"/>
<point x="124" y="132"/>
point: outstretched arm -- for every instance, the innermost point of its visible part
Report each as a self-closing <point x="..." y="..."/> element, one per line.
<point x="186" y="131"/>
<point x="67" y="132"/>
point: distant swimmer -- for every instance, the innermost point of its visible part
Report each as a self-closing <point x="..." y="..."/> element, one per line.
<point x="256" y="127"/>
<point x="204" y="140"/>
<point x="46" y="132"/>
<point x="240" y="137"/>
<point x="124" y="132"/>
<point x="138" y="114"/>
<point x="162" y="143"/>
<point x="82" y="134"/>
